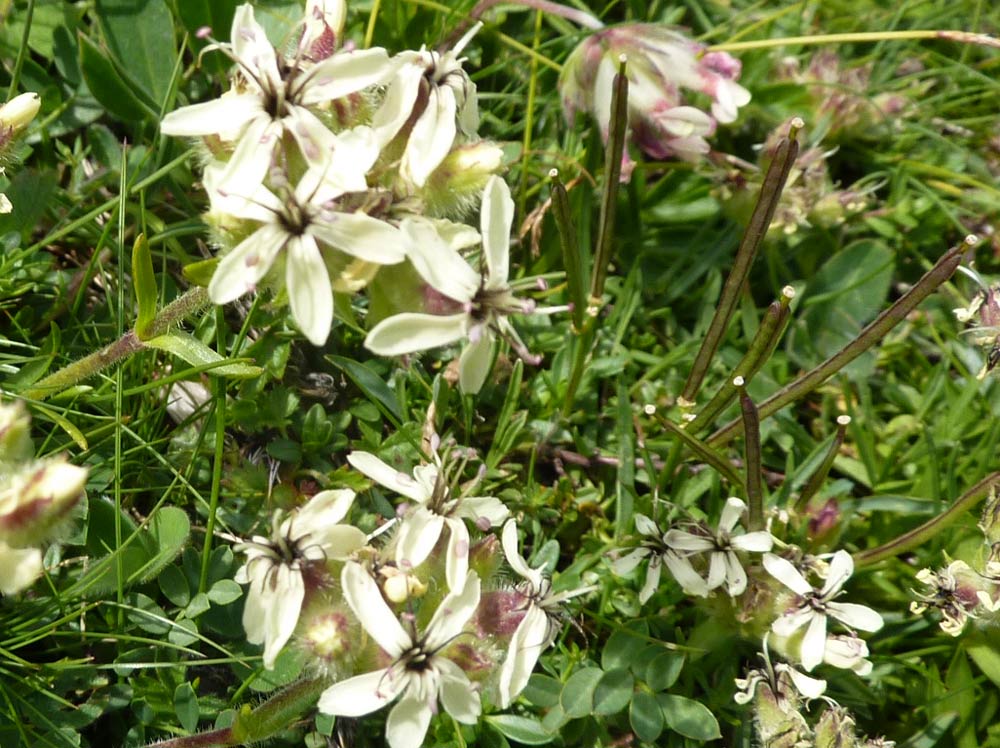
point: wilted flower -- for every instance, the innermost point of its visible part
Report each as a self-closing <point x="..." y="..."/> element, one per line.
<point x="420" y="673"/>
<point x="723" y="564"/>
<point x="277" y="567"/>
<point x="541" y="608"/>
<point x="847" y="651"/>
<point x="986" y="305"/>
<point x="297" y="227"/>
<point x="953" y="591"/>
<point x="434" y="98"/>
<point x="812" y="607"/>
<point x="655" y="549"/>
<point x="481" y="301"/>
<point x="272" y="97"/>
<point x="660" y="63"/>
<point x="437" y="507"/>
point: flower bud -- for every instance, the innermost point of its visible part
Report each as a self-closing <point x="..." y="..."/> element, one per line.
<point x="835" y="729"/>
<point x="36" y="499"/>
<point x="17" y="113"/>
<point x="455" y="186"/>
<point x="15" y="442"/>
<point x="327" y="636"/>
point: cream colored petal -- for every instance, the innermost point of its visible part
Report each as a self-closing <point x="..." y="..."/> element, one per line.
<point x="387" y="476"/>
<point x="19" y="568"/>
<point x="474" y="364"/>
<point x="410" y="332"/>
<point x="437" y="263"/>
<point x="407" y="723"/>
<point x="432" y="136"/>
<point x="362" y="236"/>
<point x="360" y="695"/>
<point x="525" y="647"/>
<point x="497" y="217"/>
<point x="239" y="271"/>
<point x="363" y="595"/>
<point x="309" y="293"/>
<point x="347" y="72"/>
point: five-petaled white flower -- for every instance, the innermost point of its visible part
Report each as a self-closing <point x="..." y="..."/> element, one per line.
<point x="723" y="564"/>
<point x="814" y="606"/>
<point x="655" y="549"/>
<point x="273" y="97"/>
<point x="482" y="302"/>
<point x="275" y="566"/>
<point x="437" y="83"/>
<point x="430" y="488"/>
<point x="298" y="226"/>
<point x="420" y="674"/>
<point x="536" y="631"/>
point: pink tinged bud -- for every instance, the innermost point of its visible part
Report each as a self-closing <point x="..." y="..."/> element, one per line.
<point x="327" y="636"/>
<point x="37" y="499"/>
<point x="436" y="302"/>
<point x="473" y="661"/>
<point x="501" y="612"/>
<point x="824" y="520"/>
<point x="204" y="32"/>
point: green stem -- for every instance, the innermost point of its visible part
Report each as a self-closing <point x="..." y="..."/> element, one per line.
<point x="920" y="535"/>
<point x="22" y="51"/>
<point x="220" y="441"/>
<point x="754" y="484"/>
<point x="191" y="301"/>
<point x="872" y="334"/>
<point x="706" y="453"/>
<point x="962" y="37"/>
<point x="812" y="486"/>
<point x="753" y="237"/>
<point x="572" y="261"/>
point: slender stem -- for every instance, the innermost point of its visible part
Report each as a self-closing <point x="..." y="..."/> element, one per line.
<point x="812" y="486"/>
<point x="612" y="174"/>
<point x="920" y="535"/>
<point x="872" y="334"/>
<point x="963" y="37"/>
<point x="703" y="451"/>
<point x="570" y="249"/>
<point x="22" y="51"/>
<point x="190" y="302"/>
<point x="220" y="441"/>
<point x="753" y="237"/>
<point x="754" y="483"/>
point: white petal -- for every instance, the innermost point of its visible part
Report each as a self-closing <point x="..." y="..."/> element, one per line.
<point x="362" y="236"/>
<point x="397" y="106"/>
<point x="309" y="292"/>
<point x="389" y="477"/>
<point x="345" y="73"/>
<point x="316" y="143"/>
<point x="486" y="508"/>
<point x="325" y="508"/>
<point x="251" y="203"/>
<point x="458" y="696"/>
<point x="790" y="622"/>
<point x="360" y="695"/>
<point x="239" y="271"/>
<point x="453" y="613"/>
<point x="228" y="114"/>
<point x="282" y="614"/>
<point x="251" y="45"/>
<point x="731" y="514"/>
<point x="841" y="568"/>
<point x="856" y="616"/>
<point x="757" y="542"/>
<point x="437" y="262"/>
<point x="409" y="332"/>
<point x="652" y="581"/>
<point x="783" y="570"/>
<point x="417" y="536"/>
<point x="19" y="567"/>
<point x="251" y="159"/>
<point x="432" y="136"/>
<point x="407" y="723"/>
<point x="497" y="217"/>
<point x="646" y="526"/>
<point x="627" y="563"/>
<point x="736" y="578"/>
<point x="814" y="642"/>
<point x="457" y="554"/>
<point x="522" y="653"/>
<point x="811" y="688"/>
<point x="508" y="539"/>
<point x="716" y="570"/>
<point x="339" y="542"/>
<point x="363" y="595"/>
<point x="474" y="364"/>
<point x="685" y="541"/>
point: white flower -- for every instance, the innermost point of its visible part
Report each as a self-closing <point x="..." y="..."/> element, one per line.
<point x="482" y="301"/>
<point x="19" y="567"/>
<point x="437" y="82"/>
<point x="784" y="682"/>
<point x="536" y="631"/>
<point x="419" y="675"/>
<point x="658" y="553"/>
<point x="723" y="565"/>
<point x="36" y="498"/>
<point x="273" y="98"/>
<point x="956" y="592"/>
<point x="297" y="227"/>
<point x="274" y="567"/>
<point x="847" y="651"/>
<point x="814" y="606"/>
<point x="436" y="508"/>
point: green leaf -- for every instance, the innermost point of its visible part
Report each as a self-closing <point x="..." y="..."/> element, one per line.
<point x="663" y="670"/>
<point x="371" y="385"/>
<point x="985" y="653"/>
<point x="174" y="586"/>
<point x="646" y="717"/>
<point x="200" y="273"/>
<point x="623" y="649"/>
<point x="216" y="15"/>
<point x="224" y="592"/>
<point x="690" y="718"/>
<point x="577" y="697"/>
<point x="193" y="351"/>
<point x="186" y="706"/>
<point x="522" y="729"/>
<point x="169" y="530"/>
<point x="932" y="734"/>
<point x="141" y="38"/>
<point x="144" y="283"/>
<point x="107" y="85"/>
<point x="542" y="690"/>
<point x="613" y="692"/>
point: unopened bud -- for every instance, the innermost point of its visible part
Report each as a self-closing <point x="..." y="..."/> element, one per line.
<point x="835" y="729"/>
<point x="17" y="113"/>
<point x="326" y="636"/>
<point x="36" y="499"/>
<point x="456" y="185"/>
<point x="15" y="442"/>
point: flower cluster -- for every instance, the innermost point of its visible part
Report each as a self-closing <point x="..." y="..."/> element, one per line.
<point x="985" y="308"/>
<point x="660" y="63"/>
<point x="414" y="615"/>
<point x="330" y="169"/>
<point x="36" y="496"/>
<point x="15" y="115"/>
